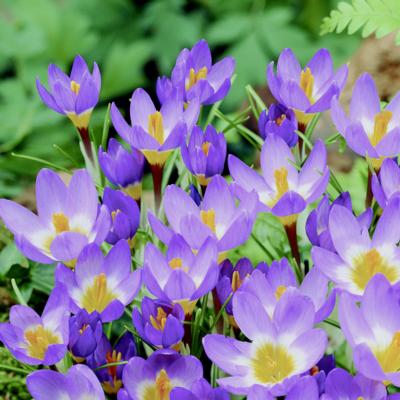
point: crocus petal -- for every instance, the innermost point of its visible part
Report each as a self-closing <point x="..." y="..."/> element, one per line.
<point x="47" y="98"/>
<point x="68" y="245"/>
<point x="120" y="125"/>
<point x="288" y="66"/>
<point x="141" y="108"/>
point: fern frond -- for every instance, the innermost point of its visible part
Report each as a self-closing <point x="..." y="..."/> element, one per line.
<point x="372" y="16"/>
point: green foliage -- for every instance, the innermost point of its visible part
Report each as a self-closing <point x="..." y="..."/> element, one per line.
<point x="372" y="16"/>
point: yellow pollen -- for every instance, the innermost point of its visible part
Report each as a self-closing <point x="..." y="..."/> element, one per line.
<point x="382" y="120"/>
<point x="176" y="263"/>
<point x="389" y="358"/>
<point x="208" y="218"/>
<point x="281" y="182"/>
<point x="236" y="281"/>
<point x="307" y="82"/>
<point x="369" y="264"/>
<point x="60" y="222"/>
<point x="205" y="147"/>
<point x="161" y="389"/>
<point x="83" y="329"/>
<point x="272" y="364"/>
<point x="114" y="214"/>
<point x="280" y="119"/>
<point x="156" y="127"/>
<point x="75" y="87"/>
<point x="194" y="77"/>
<point x="160" y="320"/>
<point x="314" y="370"/>
<point x="38" y="340"/>
<point x="97" y="296"/>
<point x="279" y="291"/>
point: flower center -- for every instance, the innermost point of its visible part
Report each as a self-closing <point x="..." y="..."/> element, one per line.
<point x="272" y="364"/>
<point x="60" y="222"/>
<point x="38" y="340"/>
<point x="279" y="291"/>
<point x="194" y="77"/>
<point x="281" y="182"/>
<point x="176" y="263"/>
<point x="161" y="389"/>
<point x="382" y="120"/>
<point x="114" y="214"/>
<point x="156" y="127"/>
<point x="83" y="329"/>
<point x="75" y="87"/>
<point x="369" y="264"/>
<point x="389" y="358"/>
<point x="279" y="120"/>
<point x="205" y="147"/>
<point x="236" y="281"/>
<point x="208" y="218"/>
<point x="160" y="320"/>
<point x="97" y="296"/>
<point x="307" y="82"/>
<point x="112" y="387"/>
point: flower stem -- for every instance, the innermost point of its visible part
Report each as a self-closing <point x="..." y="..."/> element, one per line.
<point x="219" y="323"/>
<point x="87" y="144"/>
<point x="369" y="196"/>
<point x="157" y="173"/>
<point x="291" y="232"/>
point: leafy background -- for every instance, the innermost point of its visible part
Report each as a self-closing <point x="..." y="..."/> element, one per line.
<point x="133" y="42"/>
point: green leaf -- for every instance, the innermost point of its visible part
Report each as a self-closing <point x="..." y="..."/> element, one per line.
<point x="42" y="277"/>
<point x="10" y="256"/>
<point x="372" y="16"/>
<point x="229" y="29"/>
<point x="123" y="68"/>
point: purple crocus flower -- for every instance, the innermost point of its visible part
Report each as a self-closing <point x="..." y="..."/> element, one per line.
<point x="195" y="77"/>
<point x="281" y="121"/>
<point x="157" y="376"/>
<point x="358" y="257"/>
<point x="305" y="388"/>
<point x="181" y="276"/>
<point x="74" y="96"/>
<point x="104" y="284"/>
<point x="204" y="155"/>
<point x="282" y="189"/>
<point x="159" y="323"/>
<point x="217" y="216"/>
<point x="307" y="91"/>
<point x="372" y="330"/>
<point x="155" y="133"/>
<point x="79" y="383"/>
<point x="68" y="219"/>
<point x="200" y="390"/>
<point x="318" y="220"/>
<point x="111" y="377"/>
<point x="269" y="284"/>
<point x="231" y="279"/>
<point x="123" y="168"/>
<point x="387" y="185"/>
<point x="341" y="385"/>
<point x="34" y="339"/>
<point x="368" y="130"/>
<point x="280" y="349"/>
<point x="125" y="215"/>
<point x="85" y="331"/>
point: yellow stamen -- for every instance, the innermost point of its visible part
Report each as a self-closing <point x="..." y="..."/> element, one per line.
<point x="161" y="389"/>
<point x="83" y="329"/>
<point x="205" y="147"/>
<point x="279" y="291"/>
<point x="314" y="370"/>
<point x="389" y="358"/>
<point x="116" y="384"/>
<point x="307" y="82"/>
<point x="156" y="127"/>
<point x="38" y="340"/>
<point x="236" y="281"/>
<point x="208" y="218"/>
<point x="75" y="87"/>
<point x="369" y="264"/>
<point x="176" y="263"/>
<point x="281" y="182"/>
<point x="194" y="76"/>
<point x="98" y="296"/>
<point x="114" y="214"/>
<point x="382" y="120"/>
<point x="160" y="320"/>
<point x="60" y="222"/>
<point x="279" y="120"/>
<point x="272" y="364"/>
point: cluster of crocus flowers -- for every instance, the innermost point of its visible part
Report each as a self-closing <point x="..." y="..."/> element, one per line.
<point x="134" y="296"/>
